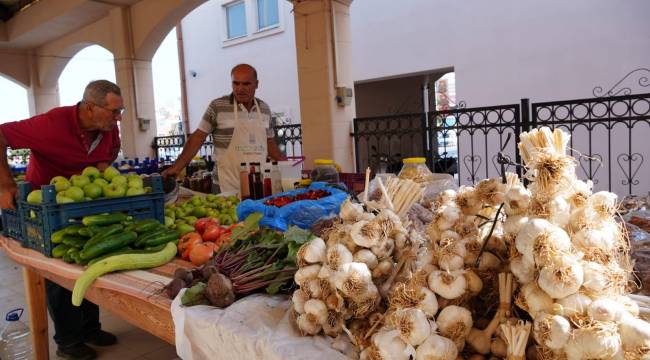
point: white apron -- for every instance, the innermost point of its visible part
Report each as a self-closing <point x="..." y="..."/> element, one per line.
<point x="248" y="144"/>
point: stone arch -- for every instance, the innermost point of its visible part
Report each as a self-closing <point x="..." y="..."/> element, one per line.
<point x="148" y="38"/>
<point x="57" y="63"/>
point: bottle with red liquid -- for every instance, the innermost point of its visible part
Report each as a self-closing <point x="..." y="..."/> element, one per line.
<point x="251" y="182"/>
<point x="244" y="189"/>
<point x="259" y="187"/>
<point x="267" y="183"/>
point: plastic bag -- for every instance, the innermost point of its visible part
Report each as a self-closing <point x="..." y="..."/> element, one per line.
<point x="301" y="213"/>
<point x="640" y="254"/>
<point x="437" y="186"/>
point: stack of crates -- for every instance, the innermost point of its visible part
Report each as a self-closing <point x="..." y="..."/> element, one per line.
<point x="37" y="222"/>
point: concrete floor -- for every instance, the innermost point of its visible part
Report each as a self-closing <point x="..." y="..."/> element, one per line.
<point x="133" y="343"/>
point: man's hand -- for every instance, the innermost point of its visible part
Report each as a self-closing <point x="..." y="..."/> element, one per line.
<point x="171" y="171"/>
<point x="101" y="166"/>
<point x="8" y="196"/>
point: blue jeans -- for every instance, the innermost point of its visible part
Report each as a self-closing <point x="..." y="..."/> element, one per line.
<point x="71" y="323"/>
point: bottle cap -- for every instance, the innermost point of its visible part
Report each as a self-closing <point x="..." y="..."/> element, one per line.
<point x="14" y="314"/>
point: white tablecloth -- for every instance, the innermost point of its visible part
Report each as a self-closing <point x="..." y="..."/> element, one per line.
<point x="255" y="327"/>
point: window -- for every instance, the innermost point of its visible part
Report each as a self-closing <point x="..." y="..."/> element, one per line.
<point x="236" y="19"/>
<point x="267" y="14"/>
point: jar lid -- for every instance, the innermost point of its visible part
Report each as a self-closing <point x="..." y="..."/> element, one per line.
<point x="414" y="160"/>
<point x="305" y="182"/>
<point x="323" y="162"/>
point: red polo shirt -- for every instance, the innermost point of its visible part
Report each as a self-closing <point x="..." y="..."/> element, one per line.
<point x="57" y="144"/>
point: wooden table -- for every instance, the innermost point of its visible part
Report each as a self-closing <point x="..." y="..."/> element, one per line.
<point x="135" y="296"/>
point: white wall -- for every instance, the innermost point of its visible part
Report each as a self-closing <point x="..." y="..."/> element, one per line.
<point x="274" y="57"/>
<point x="503" y="50"/>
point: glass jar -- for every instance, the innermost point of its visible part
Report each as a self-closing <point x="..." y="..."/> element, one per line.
<point x="325" y="171"/>
<point x="415" y="169"/>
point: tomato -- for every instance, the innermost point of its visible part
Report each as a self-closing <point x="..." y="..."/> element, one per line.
<point x="212" y="232"/>
<point x="201" y="253"/>
<point x="224" y="238"/>
<point x="186" y="243"/>
<point x="201" y="224"/>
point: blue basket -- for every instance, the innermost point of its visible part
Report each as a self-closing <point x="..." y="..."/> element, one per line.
<point x="11" y="225"/>
<point x="40" y="221"/>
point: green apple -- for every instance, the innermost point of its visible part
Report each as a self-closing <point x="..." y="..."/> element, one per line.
<point x="35" y="197"/>
<point x="62" y="199"/>
<point x="60" y="183"/>
<point x="114" y="190"/>
<point x="79" y="180"/>
<point x="135" y="182"/>
<point x="119" y="180"/>
<point x="91" y="172"/>
<point x="196" y="200"/>
<point x="101" y="182"/>
<point x="75" y="193"/>
<point x="211" y="197"/>
<point x="110" y="172"/>
<point x="93" y="190"/>
<point x="134" y="191"/>
<point x="169" y="221"/>
<point x="148" y="189"/>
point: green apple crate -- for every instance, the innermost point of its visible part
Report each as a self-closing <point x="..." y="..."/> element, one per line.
<point x="39" y="221"/>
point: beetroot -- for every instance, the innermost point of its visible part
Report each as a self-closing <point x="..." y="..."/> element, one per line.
<point x="219" y="290"/>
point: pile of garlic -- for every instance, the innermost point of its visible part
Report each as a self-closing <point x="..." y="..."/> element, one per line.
<point x="572" y="260"/>
<point x="342" y="275"/>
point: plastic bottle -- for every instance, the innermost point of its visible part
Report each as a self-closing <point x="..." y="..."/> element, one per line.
<point x="15" y="339"/>
<point x="325" y="170"/>
<point x="276" y="178"/>
<point x="244" y="190"/>
<point x="267" y="183"/>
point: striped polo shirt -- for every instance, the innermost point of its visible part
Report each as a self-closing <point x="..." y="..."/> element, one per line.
<point x="219" y="120"/>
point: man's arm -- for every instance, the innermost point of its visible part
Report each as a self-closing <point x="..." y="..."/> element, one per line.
<point x="194" y="143"/>
<point x="7" y="184"/>
<point x="274" y="151"/>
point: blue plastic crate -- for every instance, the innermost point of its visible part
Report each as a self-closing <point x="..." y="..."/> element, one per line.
<point x="11" y="225"/>
<point x="40" y="221"/>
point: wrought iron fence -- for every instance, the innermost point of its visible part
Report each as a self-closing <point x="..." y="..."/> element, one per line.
<point x="609" y="138"/>
<point x="288" y="137"/>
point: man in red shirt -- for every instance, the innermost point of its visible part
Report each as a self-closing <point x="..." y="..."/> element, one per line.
<point x="63" y="142"/>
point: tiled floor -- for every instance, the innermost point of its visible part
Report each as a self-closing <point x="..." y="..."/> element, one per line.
<point x="133" y="343"/>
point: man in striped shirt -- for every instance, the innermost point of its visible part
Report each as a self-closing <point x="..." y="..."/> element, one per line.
<point x="241" y="130"/>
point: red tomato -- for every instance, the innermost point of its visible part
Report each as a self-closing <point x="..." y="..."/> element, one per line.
<point x="201" y="224"/>
<point x="212" y="232"/>
<point x="201" y="253"/>
<point x="186" y="243"/>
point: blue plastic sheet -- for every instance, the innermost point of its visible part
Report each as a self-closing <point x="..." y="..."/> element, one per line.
<point x="301" y="213"/>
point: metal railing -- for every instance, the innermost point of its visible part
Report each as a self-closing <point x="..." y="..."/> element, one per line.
<point x="288" y="137"/>
<point x="608" y="139"/>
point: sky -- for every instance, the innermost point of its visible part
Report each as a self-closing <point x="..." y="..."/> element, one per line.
<point x="92" y="63"/>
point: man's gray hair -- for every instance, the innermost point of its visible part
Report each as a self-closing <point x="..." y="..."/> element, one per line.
<point x="97" y="90"/>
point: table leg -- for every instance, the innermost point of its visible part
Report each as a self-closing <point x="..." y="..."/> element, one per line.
<point x="35" y="293"/>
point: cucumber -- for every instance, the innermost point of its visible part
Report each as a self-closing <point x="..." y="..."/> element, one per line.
<point x="143" y="226"/>
<point x="163" y="238"/>
<point x="107" y="231"/>
<point x="57" y="236"/>
<point x="74" y="241"/>
<point x="60" y="250"/>
<point x="68" y="258"/>
<point x="148" y="235"/>
<point x="73" y="229"/>
<point x="111" y="243"/>
<point x="78" y="260"/>
<point x="120" y="262"/>
<point x="128" y="250"/>
<point x="103" y="220"/>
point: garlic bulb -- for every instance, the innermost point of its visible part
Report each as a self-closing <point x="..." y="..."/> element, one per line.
<point x="412" y="325"/>
<point x="514" y="224"/>
<point x="489" y="262"/>
<point x="467" y="201"/>
<point x="436" y="347"/>
<point x="539" y="239"/>
<point x="446" y="216"/>
<point x="534" y="300"/>
<point x="604" y="237"/>
<point x="630" y="305"/>
<point x="384" y="268"/>
<point x="474" y="282"/>
<point x="337" y="256"/>
<point x="635" y="334"/>
<point x="581" y="191"/>
<point x="298" y="299"/>
<point x="604" y="204"/>
<point x="429" y="302"/>
<point x="350" y="211"/>
<point x="449" y="285"/>
<point x="595" y="277"/>
<point x="367" y="257"/>
<point x="391" y="346"/>
<point x="491" y="192"/>
<point x="354" y="280"/>
<point x="605" y="309"/>
<point x="312" y="252"/>
<point x="308" y="324"/>
<point x="455" y="323"/>
<point x="317" y="309"/>
<point x="517" y="200"/>
<point x="365" y="233"/>
<point x="561" y="281"/>
<point x="572" y="305"/>
<point x="522" y="269"/>
<point x="384" y="248"/>
<point x="305" y="273"/>
<point x="552" y="331"/>
<point x="598" y="341"/>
